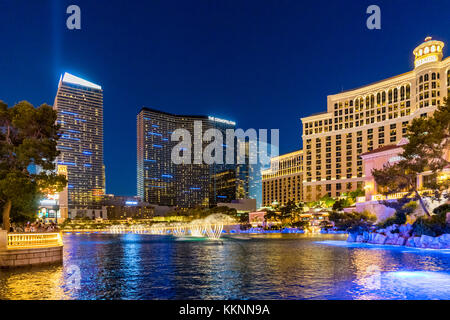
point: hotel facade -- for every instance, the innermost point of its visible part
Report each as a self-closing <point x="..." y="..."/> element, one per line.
<point x="363" y="119"/>
<point x="282" y="182"/>
<point x="160" y="181"/>
<point x="79" y="106"/>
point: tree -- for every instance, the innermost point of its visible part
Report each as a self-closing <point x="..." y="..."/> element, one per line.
<point x="301" y="224"/>
<point x="28" y="138"/>
<point x="287" y="211"/>
<point x="271" y="215"/>
<point x="352" y="195"/>
<point x="298" y="210"/>
<point x="340" y="204"/>
<point x="428" y="139"/>
<point x="326" y="201"/>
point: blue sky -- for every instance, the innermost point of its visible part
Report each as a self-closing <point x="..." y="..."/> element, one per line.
<point x="263" y="64"/>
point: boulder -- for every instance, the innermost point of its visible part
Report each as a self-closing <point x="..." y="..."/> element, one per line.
<point x="444" y="241"/>
<point x="405" y="229"/>
<point x="351" y="237"/>
<point x="392" y="238"/>
<point x="425" y="241"/>
<point x="417" y="242"/>
<point x="380" y="239"/>
<point x="392" y="227"/>
<point x="366" y="236"/>
<point x="435" y="244"/>
<point x="410" y="242"/>
<point x="401" y="241"/>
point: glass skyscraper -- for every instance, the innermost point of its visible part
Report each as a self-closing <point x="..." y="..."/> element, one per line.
<point x="160" y="181"/>
<point x="249" y="175"/>
<point x="79" y="104"/>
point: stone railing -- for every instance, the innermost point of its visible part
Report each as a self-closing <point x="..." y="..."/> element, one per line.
<point x="360" y="199"/>
<point x="34" y="240"/>
<point x="398" y="195"/>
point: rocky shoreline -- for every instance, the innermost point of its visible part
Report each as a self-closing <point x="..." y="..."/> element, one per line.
<point x="401" y="236"/>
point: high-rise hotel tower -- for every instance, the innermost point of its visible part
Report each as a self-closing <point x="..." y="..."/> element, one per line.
<point x="79" y="104"/>
<point x="282" y="182"/>
<point x="160" y="181"/>
<point x="369" y="117"/>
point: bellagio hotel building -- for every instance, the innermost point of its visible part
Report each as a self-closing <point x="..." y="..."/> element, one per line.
<point x="369" y="117"/>
<point x="364" y="119"/>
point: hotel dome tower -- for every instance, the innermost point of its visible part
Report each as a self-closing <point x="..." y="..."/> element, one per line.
<point x="366" y="118"/>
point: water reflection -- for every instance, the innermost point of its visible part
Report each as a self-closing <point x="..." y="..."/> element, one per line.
<point x="43" y="283"/>
<point x="288" y="266"/>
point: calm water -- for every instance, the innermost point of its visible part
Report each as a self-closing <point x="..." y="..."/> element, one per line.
<point x="253" y="267"/>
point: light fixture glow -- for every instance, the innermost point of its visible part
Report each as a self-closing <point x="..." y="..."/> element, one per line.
<point x="69" y="78"/>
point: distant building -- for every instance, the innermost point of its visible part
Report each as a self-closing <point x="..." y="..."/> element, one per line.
<point x="376" y="159"/>
<point x="241" y="205"/>
<point x="223" y="188"/>
<point x="257" y="219"/>
<point x="122" y="207"/>
<point x="79" y="104"/>
<point x="54" y="207"/>
<point x="370" y="117"/>
<point x="49" y="209"/>
<point x="389" y="155"/>
<point x="282" y="182"/>
<point x="159" y="180"/>
<point x="249" y="178"/>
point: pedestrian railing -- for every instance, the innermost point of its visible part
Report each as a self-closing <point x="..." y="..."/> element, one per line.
<point x="360" y="199"/>
<point x="34" y="240"/>
<point x="398" y="195"/>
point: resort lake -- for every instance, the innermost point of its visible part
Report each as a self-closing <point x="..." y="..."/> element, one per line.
<point x="270" y="266"/>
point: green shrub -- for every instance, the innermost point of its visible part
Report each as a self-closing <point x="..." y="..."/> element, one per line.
<point x="340" y="204"/>
<point x="434" y="225"/>
<point x="430" y="226"/>
<point x="410" y="207"/>
<point x="300" y="224"/>
<point x="401" y="211"/>
<point x="398" y="218"/>
<point x="441" y="211"/>
<point x="352" y="221"/>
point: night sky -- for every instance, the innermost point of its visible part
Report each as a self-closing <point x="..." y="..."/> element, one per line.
<point x="263" y="64"/>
